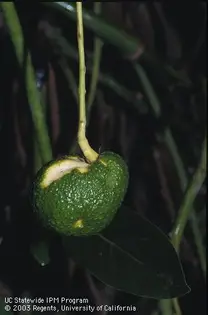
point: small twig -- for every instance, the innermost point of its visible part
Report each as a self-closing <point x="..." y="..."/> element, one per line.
<point x="184" y="212"/>
<point x="166" y="307"/>
<point x="199" y="243"/>
<point x="176" y="307"/>
<point x="88" y="152"/>
<point x="187" y="204"/>
<point x="164" y="185"/>
<point x="149" y="91"/>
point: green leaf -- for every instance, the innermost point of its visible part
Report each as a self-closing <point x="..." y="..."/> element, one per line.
<point x="40" y="252"/>
<point x="131" y="255"/>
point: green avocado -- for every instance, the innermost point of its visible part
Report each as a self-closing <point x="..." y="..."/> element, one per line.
<point x="74" y="197"/>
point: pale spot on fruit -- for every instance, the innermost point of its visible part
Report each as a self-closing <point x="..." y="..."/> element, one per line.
<point x="61" y="168"/>
<point x="78" y="224"/>
<point x="103" y="162"/>
<point x="83" y="169"/>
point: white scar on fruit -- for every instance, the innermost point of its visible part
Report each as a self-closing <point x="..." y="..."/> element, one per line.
<point x="78" y="224"/>
<point x="61" y="168"/>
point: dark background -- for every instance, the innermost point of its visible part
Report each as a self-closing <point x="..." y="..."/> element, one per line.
<point x="115" y="125"/>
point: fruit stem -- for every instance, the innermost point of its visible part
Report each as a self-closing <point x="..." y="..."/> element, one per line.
<point x="88" y="152"/>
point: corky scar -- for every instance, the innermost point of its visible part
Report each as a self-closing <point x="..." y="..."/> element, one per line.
<point x="61" y="168"/>
<point x="78" y="224"/>
<point x="103" y="162"/>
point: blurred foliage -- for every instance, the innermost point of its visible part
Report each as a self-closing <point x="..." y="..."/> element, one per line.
<point x="121" y="119"/>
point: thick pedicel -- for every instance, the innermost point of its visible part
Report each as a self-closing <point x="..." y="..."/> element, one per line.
<point x="77" y="198"/>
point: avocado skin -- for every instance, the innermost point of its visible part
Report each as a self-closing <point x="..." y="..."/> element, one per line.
<point x="93" y="197"/>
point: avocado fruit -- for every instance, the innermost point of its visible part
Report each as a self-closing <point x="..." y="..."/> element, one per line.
<point x="75" y="197"/>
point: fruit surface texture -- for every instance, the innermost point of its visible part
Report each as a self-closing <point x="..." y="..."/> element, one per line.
<point x="74" y="197"/>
